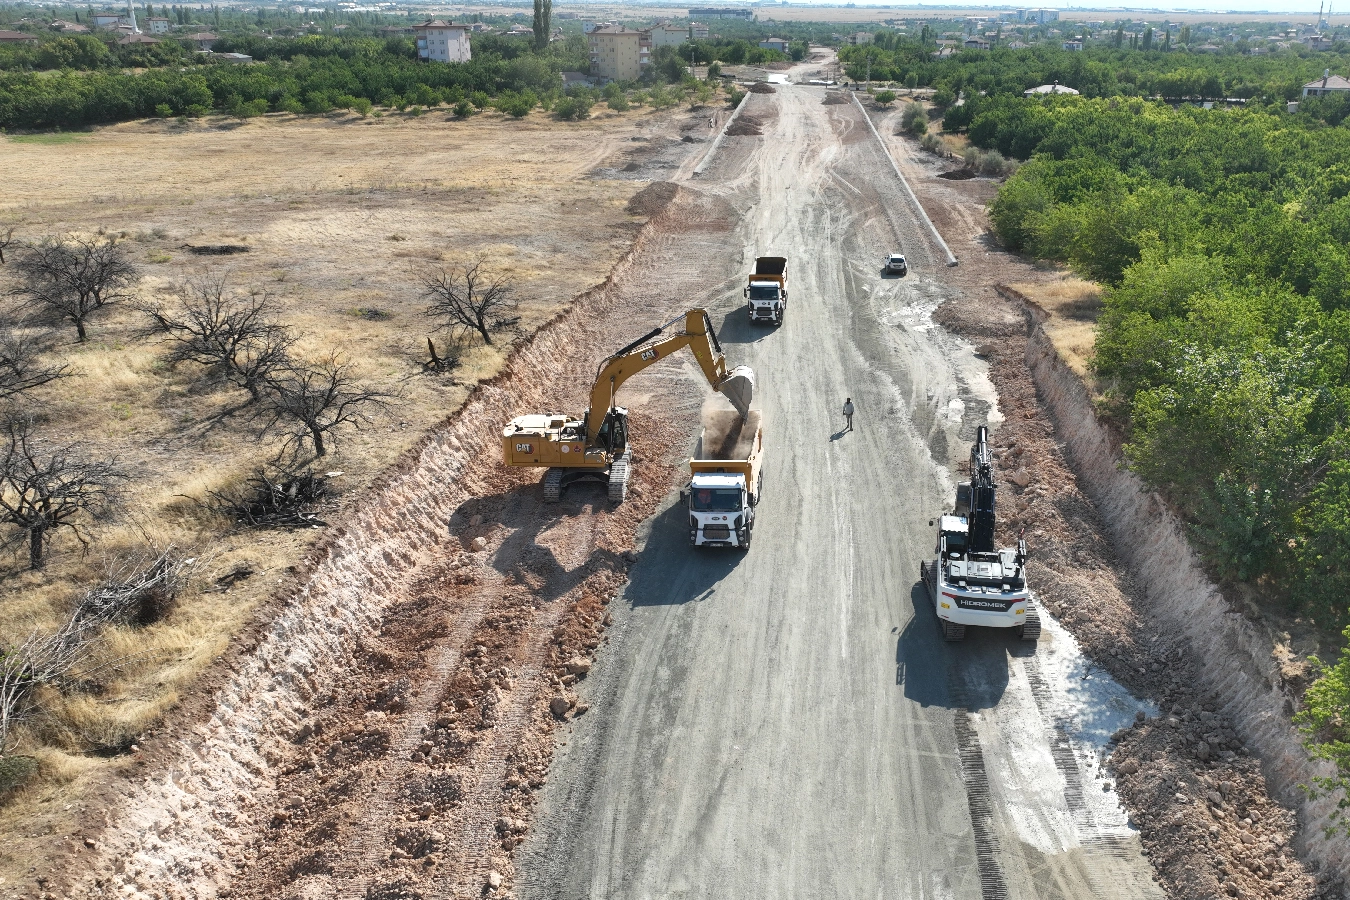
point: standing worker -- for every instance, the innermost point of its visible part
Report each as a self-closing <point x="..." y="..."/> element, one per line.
<point x="848" y="413"/>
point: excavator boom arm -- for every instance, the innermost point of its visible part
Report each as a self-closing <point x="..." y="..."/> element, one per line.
<point x="697" y="335"/>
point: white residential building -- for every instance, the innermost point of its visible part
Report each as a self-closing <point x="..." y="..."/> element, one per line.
<point x="698" y="31"/>
<point x="773" y="43"/>
<point x="1327" y="84"/>
<point x="157" y="25"/>
<point x="668" y="35"/>
<point x="108" y="20"/>
<point x="439" y="41"/>
<point x="618" y="53"/>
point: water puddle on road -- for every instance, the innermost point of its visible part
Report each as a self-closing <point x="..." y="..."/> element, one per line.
<point x="1044" y="746"/>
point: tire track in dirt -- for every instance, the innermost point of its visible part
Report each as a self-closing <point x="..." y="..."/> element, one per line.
<point x="246" y="806"/>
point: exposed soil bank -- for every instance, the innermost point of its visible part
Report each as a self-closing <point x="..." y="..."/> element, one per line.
<point x="1238" y="670"/>
<point x="368" y="610"/>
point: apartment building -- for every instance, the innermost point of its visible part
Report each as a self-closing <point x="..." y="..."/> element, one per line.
<point x="439" y="41"/>
<point x="618" y="53"/>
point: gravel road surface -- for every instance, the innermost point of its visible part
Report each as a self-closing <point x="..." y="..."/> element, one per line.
<point x="787" y="722"/>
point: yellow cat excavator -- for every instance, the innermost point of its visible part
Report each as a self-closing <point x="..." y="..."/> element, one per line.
<point x="595" y="447"/>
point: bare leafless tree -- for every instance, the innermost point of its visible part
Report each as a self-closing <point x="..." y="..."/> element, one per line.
<point x="229" y="333"/>
<point x="468" y="298"/>
<point x="43" y="487"/>
<point x="72" y="277"/>
<point x="313" y="401"/>
<point x="24" y="361"/>
<point x="136" y="590"/>
<point x="7" y="239"/>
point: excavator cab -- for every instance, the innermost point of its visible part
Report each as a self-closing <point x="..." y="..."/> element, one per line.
<point x="613" y="434"/>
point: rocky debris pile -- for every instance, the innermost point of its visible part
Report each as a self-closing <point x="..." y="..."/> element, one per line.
<point x="762" y="87"/>
<point x="834" y="98"/>
<point x="745" y="126"/>
<point x="1194" y="791"/>
<point x="653" y="199"/>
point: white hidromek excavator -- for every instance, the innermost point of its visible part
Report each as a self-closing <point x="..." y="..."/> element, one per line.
<point x="971" y="582"/>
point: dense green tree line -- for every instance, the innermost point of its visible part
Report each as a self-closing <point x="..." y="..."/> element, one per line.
<point x="311" y="73"/>
<point x="1224" y="342"/>
<point x="1095" y="72"/>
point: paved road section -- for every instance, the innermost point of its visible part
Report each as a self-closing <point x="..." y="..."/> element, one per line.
<point x="787" y="723"/>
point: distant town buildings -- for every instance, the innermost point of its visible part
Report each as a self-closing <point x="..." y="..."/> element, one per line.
<point x="1055" y="88"/>
<point x="668" y="35"/>
<point x="1327" y="84"/>
<point x="618" y="53"/>
<point x="439" y="41"/>
<point x="107" y="20"/>
<point x="203" y="40"/>
<point x="1073" y="45"/>
<point x="698" y="31"/>
<point x="860" y="38"/>
<point x="722" y="13"/>
<point x="16" y="37"/>
<point x="1037" y="16"/>
<point x="975" y="44"/>
<point x="773" y="43"/>
<point x="128" y="40"/>
<point x="157" y="25"/>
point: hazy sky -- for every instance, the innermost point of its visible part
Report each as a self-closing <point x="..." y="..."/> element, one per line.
<point x="1300" y="8"/>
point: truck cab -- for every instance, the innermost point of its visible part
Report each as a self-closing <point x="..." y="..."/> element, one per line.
<point x="721" y="511"/>
<point x="766" y="293"/>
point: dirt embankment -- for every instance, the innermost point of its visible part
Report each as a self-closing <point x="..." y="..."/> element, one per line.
<point x="390" y="726"/>
<point x="1251" y="700"/>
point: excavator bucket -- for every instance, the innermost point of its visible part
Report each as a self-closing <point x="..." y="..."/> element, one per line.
<point x="739" y="388"/>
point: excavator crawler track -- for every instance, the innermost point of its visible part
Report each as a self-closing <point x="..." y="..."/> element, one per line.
<point x="618" y="479"/>
<point x="1031" y="629"/>
<point x="553" y="485"/>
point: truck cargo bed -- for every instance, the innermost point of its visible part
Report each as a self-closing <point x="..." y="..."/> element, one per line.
<point x="727" y="437"/>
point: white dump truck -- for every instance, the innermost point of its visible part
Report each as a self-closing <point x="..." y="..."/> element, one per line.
<point x="766" y="292"/>
<point x="724" y="485"/>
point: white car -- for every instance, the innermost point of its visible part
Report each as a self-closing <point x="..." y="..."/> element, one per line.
<point x="895" y="263"/>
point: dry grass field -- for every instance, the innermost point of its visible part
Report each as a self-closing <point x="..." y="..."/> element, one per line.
<point x="341" y="216"/>
<point x="1073" y="305"/>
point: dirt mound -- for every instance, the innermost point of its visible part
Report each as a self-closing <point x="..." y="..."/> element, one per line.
<point x="653" y="199"/>
<point x="958" y="174"/>
<point x="762" y="87"/>
<point x="834" y="98"/>
<point x="745" y="126"/>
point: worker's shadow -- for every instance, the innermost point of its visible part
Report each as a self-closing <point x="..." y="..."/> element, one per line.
<point x="971" y="674"/>
<point x="524" y="552"/>
<point x="838" y="434"/>
<point x="669" y="572"/>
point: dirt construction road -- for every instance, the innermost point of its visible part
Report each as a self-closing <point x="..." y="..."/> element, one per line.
<point x="787" y="722"/>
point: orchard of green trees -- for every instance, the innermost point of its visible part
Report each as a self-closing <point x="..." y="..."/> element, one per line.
<point x="312" y="73"/>
<point x="1100" y="71"/>
<point x="1222" y="239"/>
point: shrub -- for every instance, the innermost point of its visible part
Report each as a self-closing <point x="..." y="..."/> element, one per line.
<point x="362" y="106"/>
<point x="912" y="80"/>
<point x="914" y="119"/>
<point x="317" y="104"/>
<point x="290" y="105"/>
<point x="715" y="69"/>
<point x="885" y="98"/>
<point x="618" y="103"/>
<point x="163" y="110"/>
<point x="517" y="104"/>
<point x="990" y="162"/>
<point x="464" y="109"/>
<point x="932" y="143"/>
<point x="734" y="97"/>
<point x="196" y="111"/>
<point x="480" y="99"/>
<point x="249" y="109"/>
<point x="573" y="107"/>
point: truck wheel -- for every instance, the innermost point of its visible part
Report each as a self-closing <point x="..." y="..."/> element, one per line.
<point x="553" y="485"/>
<point x="618" y="480"/>
<point x="952" y="632"/>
